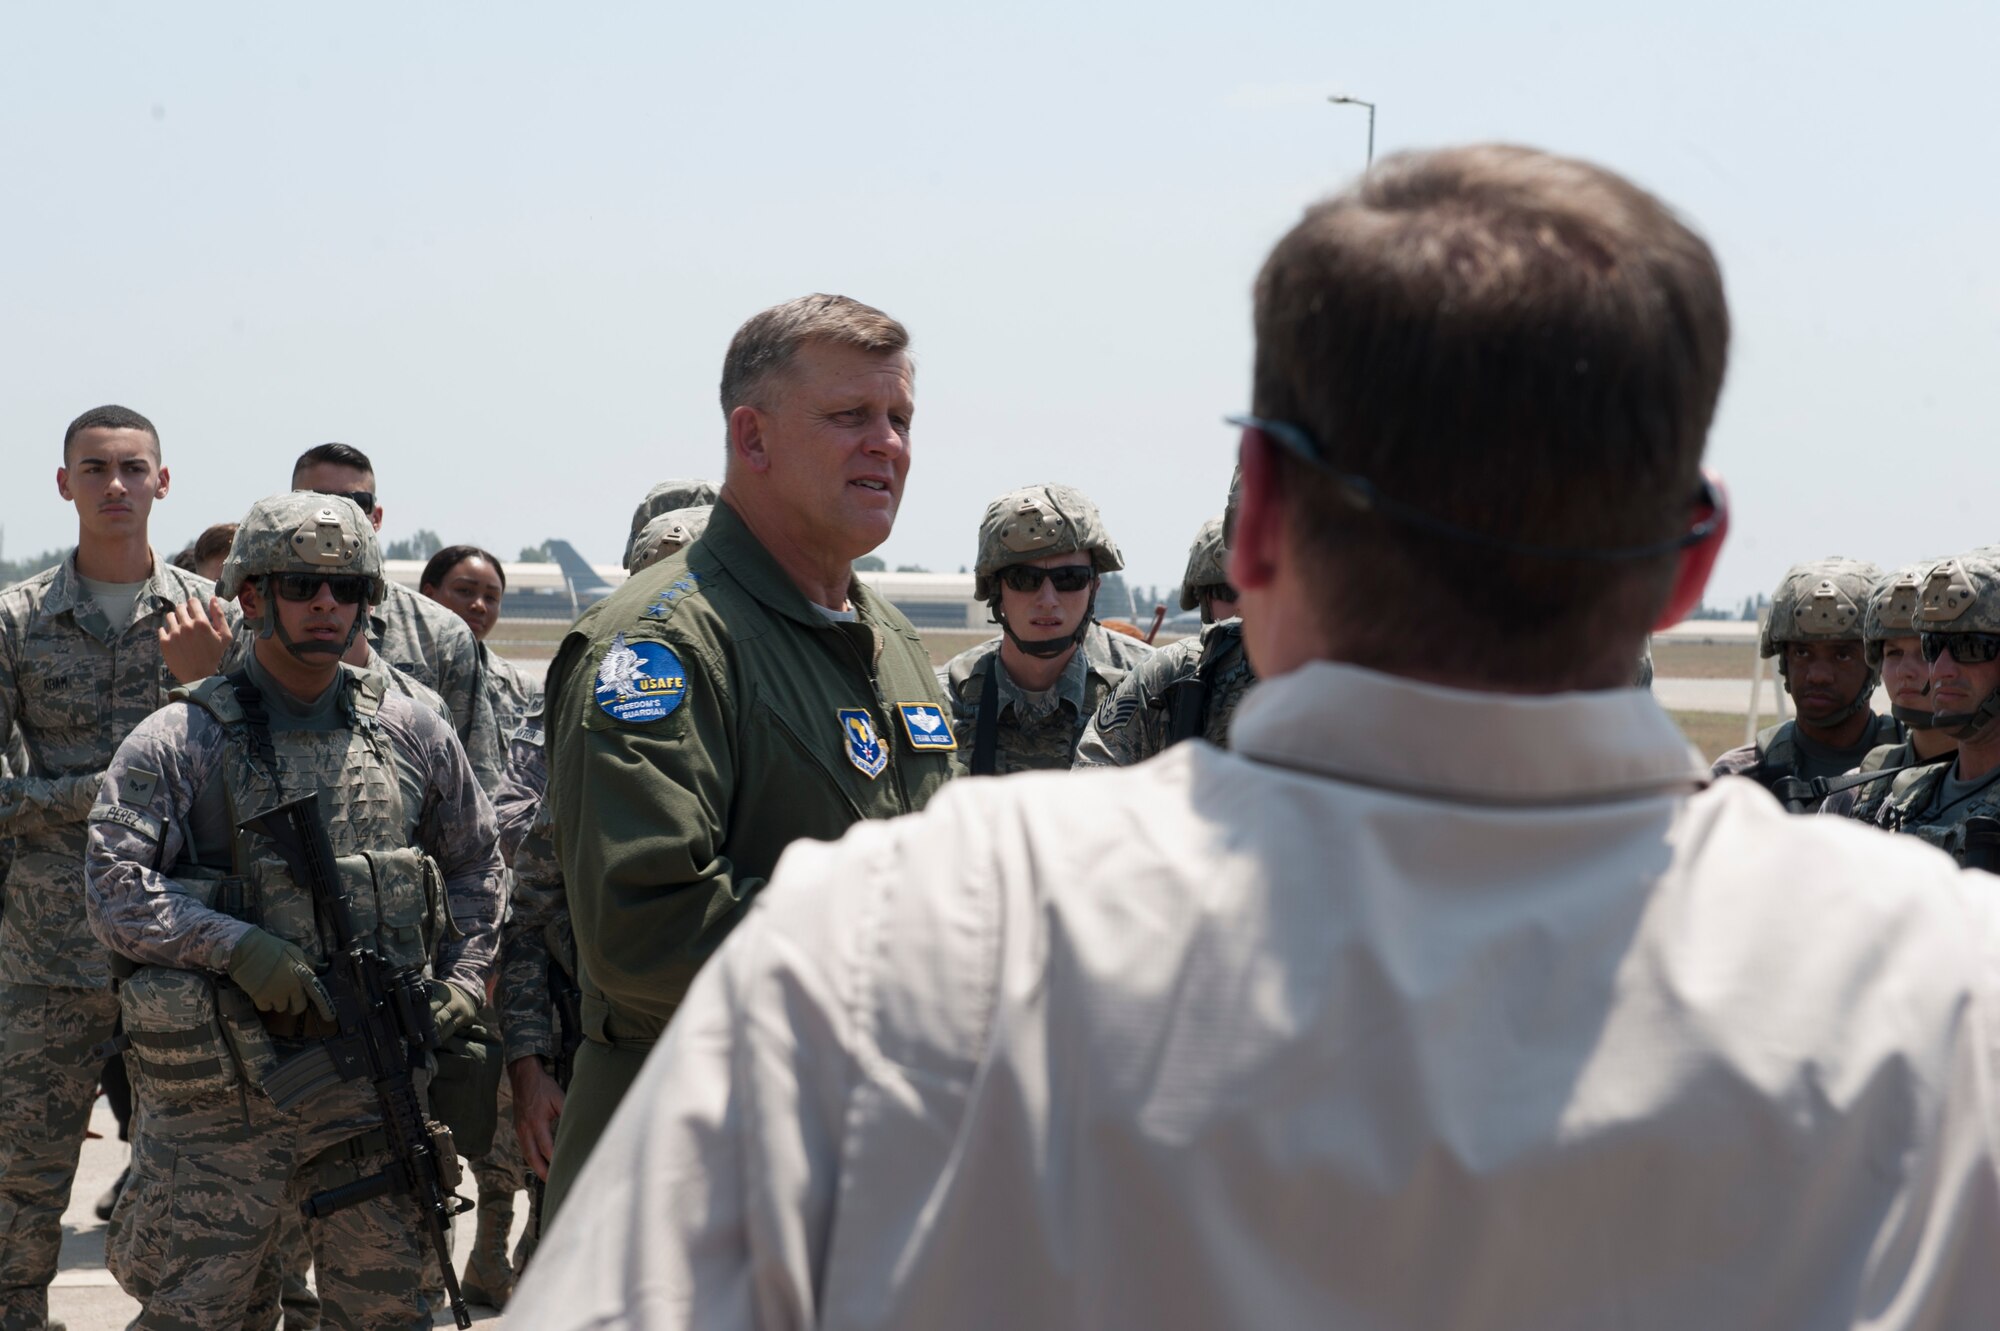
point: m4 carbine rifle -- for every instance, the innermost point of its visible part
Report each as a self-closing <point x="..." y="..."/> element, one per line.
<point x="384" y="1015"/>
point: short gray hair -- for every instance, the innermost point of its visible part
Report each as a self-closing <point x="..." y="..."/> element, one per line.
<point x="767" y="341"/>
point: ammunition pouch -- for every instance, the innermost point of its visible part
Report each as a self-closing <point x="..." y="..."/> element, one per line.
<point x="465" y="1087"/>
<point x="174" y="1035"/>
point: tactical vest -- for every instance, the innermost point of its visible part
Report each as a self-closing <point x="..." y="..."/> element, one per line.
<point x="192" y="1035"/>
<point x="392" y="891"/>
<point x="1910" y="797"/>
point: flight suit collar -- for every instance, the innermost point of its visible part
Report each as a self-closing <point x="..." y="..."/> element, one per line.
<point x="730" y="543"/>
<point x="1357" y="725"/>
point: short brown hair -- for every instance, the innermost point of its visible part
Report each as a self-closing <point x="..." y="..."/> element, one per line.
<point x="767" y="341"/>
<point x="215" y="541"/>
<point x="1519" y="345"/>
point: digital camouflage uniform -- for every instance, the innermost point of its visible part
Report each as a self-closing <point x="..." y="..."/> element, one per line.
<point x="665" y="498"/>
<point x="512" y="693"/>
<point x="1821" y="601"/>
<point x="703" y="717"/>
<point x="1192" y="684"/>
<point x="1187" y="688"/>
<point x="537" y="933"/>
<point x="1038" y="733"/>
<point x="433" y="646"/>
<point x="1000" y="727"/>
<point x="516" y="695"/>
<point x="1959" y="595"/>
<point x="537" y="946"/>
<point x="174" y="886"/>
<point x="70" y="690"/>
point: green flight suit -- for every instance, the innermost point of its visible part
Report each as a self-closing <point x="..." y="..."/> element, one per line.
<point x="700" y="719"/>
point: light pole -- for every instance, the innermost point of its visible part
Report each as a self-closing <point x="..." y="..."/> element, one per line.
<point x="1356" y="101"/>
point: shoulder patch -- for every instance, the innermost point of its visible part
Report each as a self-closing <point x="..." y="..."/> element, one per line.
<point x="641" y="681"/>
<point x="664" y="600"/>
<point x="1116" y="710"/>
<point x="136" y="786"/>
<point x="865" y="748"/>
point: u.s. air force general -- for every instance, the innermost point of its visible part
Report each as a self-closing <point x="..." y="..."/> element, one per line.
<point x="741" y="693"/>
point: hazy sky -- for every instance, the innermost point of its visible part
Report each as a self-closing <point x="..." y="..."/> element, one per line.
<point x="503" y="247"/>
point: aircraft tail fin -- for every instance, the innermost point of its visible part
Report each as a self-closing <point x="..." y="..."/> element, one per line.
<point x="585" y="582"/>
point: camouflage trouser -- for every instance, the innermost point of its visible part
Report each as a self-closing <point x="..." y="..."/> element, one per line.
<point x="48" y="1080"/>
<point x="199" y="1236"/>
<point x="502" y="1168"/>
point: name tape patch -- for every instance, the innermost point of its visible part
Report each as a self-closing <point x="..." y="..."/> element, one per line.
<point x="640" y="681"/>
<point x="925" y="724"/>
<point x="144" y="824"/>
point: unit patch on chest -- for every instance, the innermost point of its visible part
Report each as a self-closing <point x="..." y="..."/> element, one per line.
<point x="865" y="748"/>
<point x="640" y="681"/>
<point x="925" y="724"/>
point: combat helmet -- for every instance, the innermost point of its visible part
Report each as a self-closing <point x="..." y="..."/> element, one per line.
<point x="1029" y="523"/>
<point x="302" y="532"/>
<point x="667" y="533"/>
<point x="1207" y="566"/>
<point x="1823" y="600"/>
<point x="1962" y="595"/>
<point x="664" y="498"/>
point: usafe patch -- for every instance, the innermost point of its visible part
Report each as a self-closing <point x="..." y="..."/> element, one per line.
<point x="640" y="681"/>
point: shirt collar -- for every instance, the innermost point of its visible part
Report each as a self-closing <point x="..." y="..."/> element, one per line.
<point x="1357" y="725"/>
<point x="67" y="592"/>
<point x="1068" y="688"/>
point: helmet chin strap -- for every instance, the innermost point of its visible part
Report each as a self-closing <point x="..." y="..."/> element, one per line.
<point x="1968" y="726"/>
<point x="1047" y="647"/>
<point x="1913" y="717"/>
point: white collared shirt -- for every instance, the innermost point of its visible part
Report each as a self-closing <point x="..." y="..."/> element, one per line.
<point x="1421" y="1008"/>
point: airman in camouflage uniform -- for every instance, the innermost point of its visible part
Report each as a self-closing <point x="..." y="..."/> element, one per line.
<point x="222" y="946"/>
<point x="413" y="633"/>
<point x="471" y="582"/>
<point x="1954" y="803"/>
<point x="1889" y="631"/>
<point x="1815" y="631"/>
<point x="538" y="996"/>
<point x="1187" y="688"/>
<point x="80" y="666"/>
<point x="1020" y="702"/>
<point x="664" y="498"/>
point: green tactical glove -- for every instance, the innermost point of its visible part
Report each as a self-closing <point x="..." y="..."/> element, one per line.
<point x="452" y="1008"/>
<point x="276" y="975"/>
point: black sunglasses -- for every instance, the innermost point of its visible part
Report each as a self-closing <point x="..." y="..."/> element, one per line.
<point x="347" y="588"/>
<point x="365" y="498"/>
<point x="1965" y="648"/>
<point x="1028" y="577"/>
<point x="1361" y="493"/>
<point x="1219" y="590"/>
